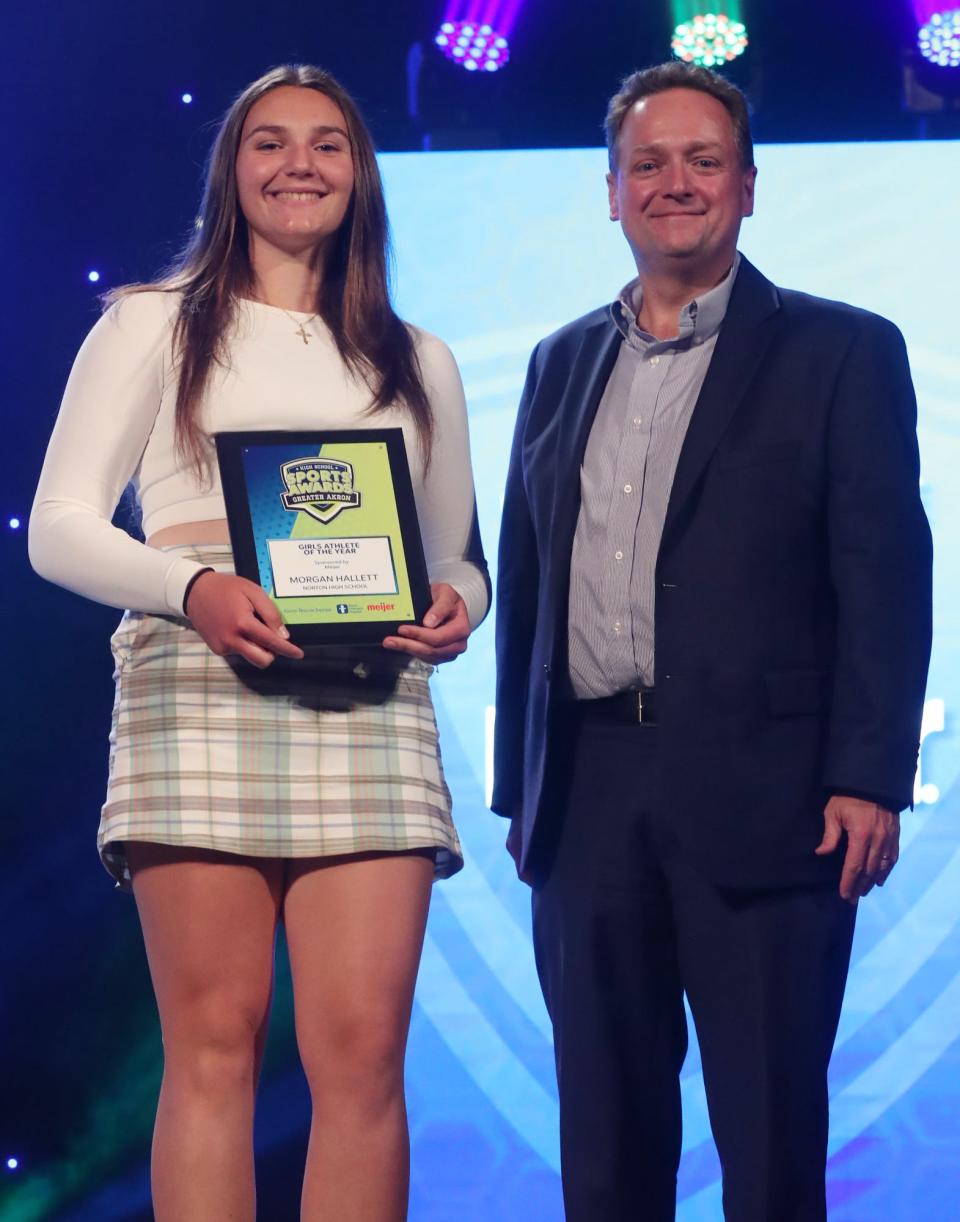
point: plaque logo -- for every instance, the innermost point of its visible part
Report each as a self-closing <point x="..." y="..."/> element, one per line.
<point x="321" y="487"/>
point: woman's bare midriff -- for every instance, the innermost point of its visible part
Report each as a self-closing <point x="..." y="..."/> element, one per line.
<point x="214" y="531"/>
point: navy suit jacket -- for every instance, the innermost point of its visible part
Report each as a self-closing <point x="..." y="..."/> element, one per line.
<point x="793" y="585"/>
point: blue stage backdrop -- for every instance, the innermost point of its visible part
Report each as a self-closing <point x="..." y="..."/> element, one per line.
<point x="495" y="250"/>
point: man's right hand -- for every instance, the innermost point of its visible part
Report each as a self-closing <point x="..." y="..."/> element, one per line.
<point x="234" y="615"/>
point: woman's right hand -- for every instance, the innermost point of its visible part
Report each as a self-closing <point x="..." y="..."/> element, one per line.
<point x="233" y="615"/>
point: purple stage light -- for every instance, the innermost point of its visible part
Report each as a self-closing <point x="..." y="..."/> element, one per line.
<point x="186" y="98"/>
<point x="93" y="277"/>
<point x="475" y="33"/>
<point x="939" y="38"/>
<point x="14" y="523"/>
<point x="473" y="45"/>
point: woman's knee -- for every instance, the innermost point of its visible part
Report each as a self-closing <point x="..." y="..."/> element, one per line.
<point x="358" y="1057"/>
<point x="211" y="1045"/>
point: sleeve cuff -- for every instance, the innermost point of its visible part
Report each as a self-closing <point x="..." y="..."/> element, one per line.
<point x="472" y="584"/>
<point x="179" y="577"/>
<point x="884" y="800"/>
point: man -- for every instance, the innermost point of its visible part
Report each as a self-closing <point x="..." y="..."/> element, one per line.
<point x="713" y="630"/>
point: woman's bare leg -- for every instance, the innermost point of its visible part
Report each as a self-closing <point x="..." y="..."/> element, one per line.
<point x="209" y="924"/>
<point x="355" y="931"/>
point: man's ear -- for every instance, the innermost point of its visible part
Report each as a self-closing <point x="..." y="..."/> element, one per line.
<point x="612" y="196"/>
<point x="749" y="187"/>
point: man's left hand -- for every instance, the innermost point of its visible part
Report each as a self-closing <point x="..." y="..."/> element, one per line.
<point x="873" y="843"/>
<point x="444" y="632"/>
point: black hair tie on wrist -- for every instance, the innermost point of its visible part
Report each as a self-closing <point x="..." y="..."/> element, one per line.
<point x="192" y="582"/>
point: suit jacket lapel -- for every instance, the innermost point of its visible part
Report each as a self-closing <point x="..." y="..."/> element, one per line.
<point x="587" y="381"/>
<point x="745" y="335"/>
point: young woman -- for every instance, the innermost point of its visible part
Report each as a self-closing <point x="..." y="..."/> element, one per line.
<point x="240" y="797"/>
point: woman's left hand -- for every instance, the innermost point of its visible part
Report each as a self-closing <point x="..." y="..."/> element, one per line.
<point x="444" y="633"/>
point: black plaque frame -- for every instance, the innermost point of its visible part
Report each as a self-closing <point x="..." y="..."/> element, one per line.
<point x="230" y="448"/>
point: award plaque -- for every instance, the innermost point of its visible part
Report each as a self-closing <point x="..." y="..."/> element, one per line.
<point x="325" y="522"/>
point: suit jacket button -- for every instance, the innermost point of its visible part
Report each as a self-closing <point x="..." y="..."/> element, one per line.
<point x="546" y="670"/>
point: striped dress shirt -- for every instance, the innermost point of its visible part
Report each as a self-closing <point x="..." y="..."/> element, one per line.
<point x="625" y="483"/>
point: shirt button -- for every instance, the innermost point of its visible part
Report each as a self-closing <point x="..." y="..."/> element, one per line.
<point x="616" y="626"/>
<point x="628" y="487"/>
<point x="637" y="420"/>
<point x="654" y="360"/>
<point x="618" y="555"/>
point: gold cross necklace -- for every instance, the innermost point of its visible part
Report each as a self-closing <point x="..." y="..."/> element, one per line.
<point x="302" y="326"/>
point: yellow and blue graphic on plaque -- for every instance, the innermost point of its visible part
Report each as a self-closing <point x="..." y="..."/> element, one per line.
<point x="327" y="532"/>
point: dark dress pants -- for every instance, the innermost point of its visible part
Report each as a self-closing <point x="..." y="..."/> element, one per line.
<point x="623" y="926"/>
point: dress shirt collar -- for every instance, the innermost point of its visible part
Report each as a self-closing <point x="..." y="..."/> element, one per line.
<point x="699" y="319"/>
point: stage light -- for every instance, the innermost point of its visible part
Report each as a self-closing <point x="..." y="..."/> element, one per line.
<point x="939" y="38"/>
<point x="709" y="39"/>
<point x="13" y="1164"/>
<point x="186" y="98"/>
<point x="93" y="277"/>
<point x="14" y="523"/>
<point x="473" y="46"/>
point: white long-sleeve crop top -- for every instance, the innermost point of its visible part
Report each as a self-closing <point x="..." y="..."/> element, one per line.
<point x="116" y="426"/>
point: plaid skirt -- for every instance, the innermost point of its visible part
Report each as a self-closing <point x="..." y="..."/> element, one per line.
<point x="304" y="759"/>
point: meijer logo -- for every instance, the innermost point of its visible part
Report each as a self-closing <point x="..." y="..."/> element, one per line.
<point x="380" y="606"/>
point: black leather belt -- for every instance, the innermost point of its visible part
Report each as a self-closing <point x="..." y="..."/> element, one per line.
<point x="638" y="708"/>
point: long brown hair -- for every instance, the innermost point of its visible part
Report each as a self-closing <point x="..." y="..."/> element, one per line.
<point x="353" y="298"/>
